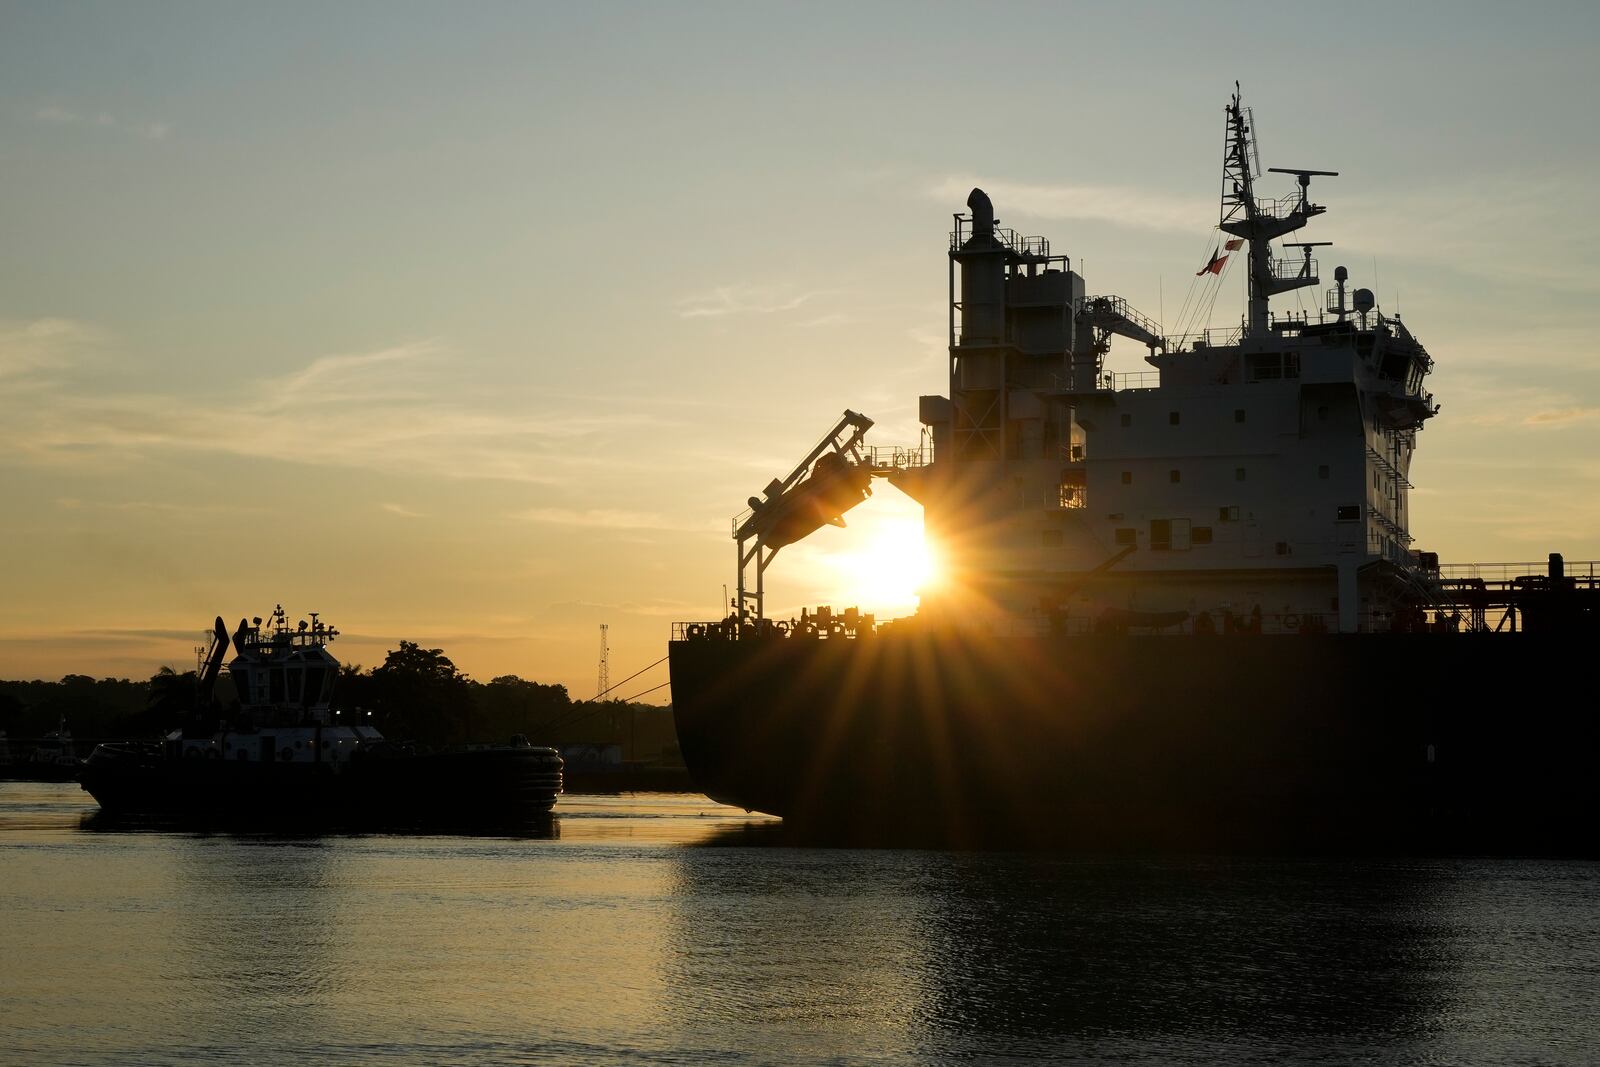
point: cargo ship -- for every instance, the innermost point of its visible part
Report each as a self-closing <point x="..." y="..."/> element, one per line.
<point x="282" y="755"/>
<point x="1180" y="608"/>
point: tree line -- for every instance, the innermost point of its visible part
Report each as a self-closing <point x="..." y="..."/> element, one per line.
<point x="416" y="694"/>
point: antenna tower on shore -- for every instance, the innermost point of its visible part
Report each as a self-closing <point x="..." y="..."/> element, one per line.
<point x="605" y="664"/>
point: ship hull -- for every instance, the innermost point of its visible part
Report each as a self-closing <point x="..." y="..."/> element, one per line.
<point x="1416" y="742"/>
<point x="473" y="788"/>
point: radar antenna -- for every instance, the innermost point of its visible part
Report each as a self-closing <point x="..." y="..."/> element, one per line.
<point x="1259" y="222"/>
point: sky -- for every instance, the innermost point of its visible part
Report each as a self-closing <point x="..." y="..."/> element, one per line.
<point x="473" y="325"/>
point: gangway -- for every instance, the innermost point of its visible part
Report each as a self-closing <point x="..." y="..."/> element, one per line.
<point x="1109" y="315"/>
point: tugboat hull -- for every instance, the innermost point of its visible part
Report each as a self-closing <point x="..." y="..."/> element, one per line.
<point x="483" y="787"/>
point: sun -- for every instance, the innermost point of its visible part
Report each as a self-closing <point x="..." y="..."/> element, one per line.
<point x="891" y="569"/>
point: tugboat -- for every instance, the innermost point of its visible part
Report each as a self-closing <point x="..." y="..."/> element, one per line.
<point x="285" y="755"/>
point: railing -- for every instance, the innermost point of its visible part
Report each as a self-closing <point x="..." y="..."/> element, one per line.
<point x="1208" y="338"/>
<point x="1283" y="207"/>
<point x="1295" y="269"/>
<point x="1221" y="624"/>
<point x="898" y="457"/>
<point x="1506" y="572"/>
<point x="1388" y="548"/>
<point x="1111" y="381"/>
<point x="824" y="625"/>
<point x="1139" y="379"/>
<point x="1032" y="247"/>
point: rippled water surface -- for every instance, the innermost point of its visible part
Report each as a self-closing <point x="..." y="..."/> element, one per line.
<point x="668" y="929"/>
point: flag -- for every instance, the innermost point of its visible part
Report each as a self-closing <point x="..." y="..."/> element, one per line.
<point x="1235" y="244"/>
<point x="1213" y="267"/>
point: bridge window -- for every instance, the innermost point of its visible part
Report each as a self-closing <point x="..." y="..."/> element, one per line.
<point x="1228" y="514"/>
<point x="1272" y="366"/>
<point x="1238" y="474"/>
<point x="1174" y="476"/>
<point x="1127" y="420"/>
<point x="1322" y="472"/>
<point x="1238" y="414"/>
<point x="1349" y="513"/>
<point x="1127" y="477"/>
<point x="1172" y="418"/>
<point x="1200" y="535"/>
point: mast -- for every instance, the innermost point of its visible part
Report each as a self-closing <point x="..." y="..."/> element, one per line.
<point x="1260" y="221"/>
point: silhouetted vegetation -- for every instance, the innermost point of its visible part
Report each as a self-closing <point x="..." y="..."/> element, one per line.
<point x="416" y="694"/>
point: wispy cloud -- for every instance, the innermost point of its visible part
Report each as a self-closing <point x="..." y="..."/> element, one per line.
<point x="600" y="518"/>
<point x="402" y="510"/>
<point x="727" y="300"/>
<point x="158" y="507"/>
<point x="1485" y="399"/>
<point x="401" y="409"/>
<point x="31" y="350"/>
<point x="1561" y="416"/>
<point x="56" y="115"/>
<point x="1118" y="204"/>
<point x="1507" y="227"/>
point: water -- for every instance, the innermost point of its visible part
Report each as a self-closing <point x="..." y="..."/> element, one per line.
<point x="667" y="929"/>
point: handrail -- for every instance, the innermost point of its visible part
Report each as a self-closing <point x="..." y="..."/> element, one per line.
<point x="898" y="457"/>
<point x="1507" y="572"/>
<point x="1221" y="624"/>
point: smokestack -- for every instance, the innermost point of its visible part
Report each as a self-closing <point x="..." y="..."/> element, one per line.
<point x="982" y="214"/>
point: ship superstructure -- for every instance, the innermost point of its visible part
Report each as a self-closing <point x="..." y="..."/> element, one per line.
<point x="284" y="677"/>
<point x="1259" y="475"/>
